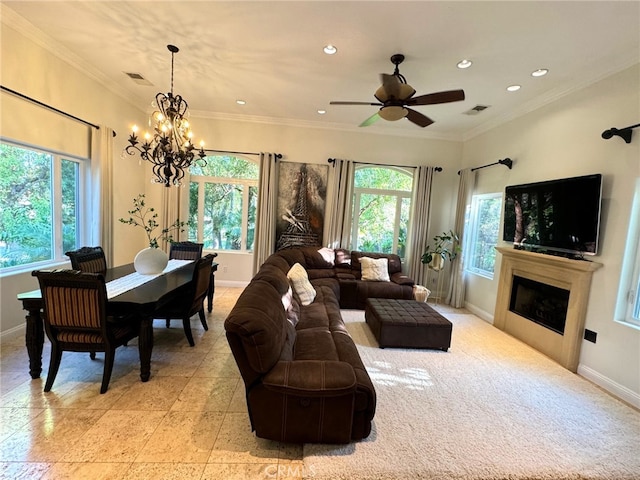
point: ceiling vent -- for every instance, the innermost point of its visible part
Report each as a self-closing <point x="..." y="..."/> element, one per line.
<point x="477" y="109"/>
<point x="139" y="79"/>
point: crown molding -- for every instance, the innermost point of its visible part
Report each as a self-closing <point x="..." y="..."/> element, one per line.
<point x="287" y="122"/>
<point x="547" y="99"/>
<point x="9" y="18"/>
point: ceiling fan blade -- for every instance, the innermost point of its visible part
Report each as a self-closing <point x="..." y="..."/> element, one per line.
<point x="418" y="118"/>
<point x="372" y="119"/>
<point x="438" y="97"/>
<point x="355" y="103"/>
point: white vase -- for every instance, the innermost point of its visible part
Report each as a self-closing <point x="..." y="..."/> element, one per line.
<point x="436" y="263"/>
<point x="150" y="261"/>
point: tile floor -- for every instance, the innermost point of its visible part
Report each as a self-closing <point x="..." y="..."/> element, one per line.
<point x="189" y="422"/>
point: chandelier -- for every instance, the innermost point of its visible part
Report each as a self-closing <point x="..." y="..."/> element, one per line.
<point x="169" y="147"/>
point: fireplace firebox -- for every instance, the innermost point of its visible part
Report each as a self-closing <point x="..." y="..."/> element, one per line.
<point x="539" y="302"/>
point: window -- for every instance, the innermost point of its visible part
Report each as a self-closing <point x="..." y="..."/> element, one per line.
<point x="482" y="234"/>
<point x="40" y="207"/>
<point x="223" y="197"/>
<point x="381" y="206"/>
<point x="628" y="303"/>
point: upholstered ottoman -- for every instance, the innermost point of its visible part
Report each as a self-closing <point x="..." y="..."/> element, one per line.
<point x="407" y="324"/>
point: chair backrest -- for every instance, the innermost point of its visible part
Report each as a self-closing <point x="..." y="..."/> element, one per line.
<point x="200" y="280"/>
<point x="73" y="300"/>
<point x="88" y="259"/>
<point x="185" y="250"/>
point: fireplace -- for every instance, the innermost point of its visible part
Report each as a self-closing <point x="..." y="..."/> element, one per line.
<point x="542" y="300"/>
<point x="543" y="304"/>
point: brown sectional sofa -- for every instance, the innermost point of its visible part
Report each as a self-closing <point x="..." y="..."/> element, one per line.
<point x="304" y="379"/>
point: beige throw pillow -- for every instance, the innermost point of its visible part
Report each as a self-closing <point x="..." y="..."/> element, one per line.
<point x="375" y="269"/>
<point x="297" y="275"/>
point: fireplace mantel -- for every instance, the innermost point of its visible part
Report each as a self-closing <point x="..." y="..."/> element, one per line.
<point x="572" y="275"/>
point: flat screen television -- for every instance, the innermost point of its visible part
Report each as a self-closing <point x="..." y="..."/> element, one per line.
<point x="559" y="216"/>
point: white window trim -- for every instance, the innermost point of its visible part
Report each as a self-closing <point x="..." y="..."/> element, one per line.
<point x="628" y="298"/>
<point x="470" y="231"/>
<point x="201" y="180"/>
<point x="82" y="204"/>
<point x="399" y="194"/>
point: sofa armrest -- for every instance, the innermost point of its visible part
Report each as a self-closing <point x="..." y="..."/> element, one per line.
<point x="311" y="378"/>
<point x="401" y="279"/>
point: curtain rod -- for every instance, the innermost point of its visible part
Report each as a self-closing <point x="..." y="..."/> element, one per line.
<point x="49" y="107"/>
<point x="507" y="162"/>
<point x="277" y="155"/>
<point x="333" y="161"/>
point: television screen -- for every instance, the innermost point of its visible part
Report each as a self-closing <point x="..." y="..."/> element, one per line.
<point x="557" y="215"/>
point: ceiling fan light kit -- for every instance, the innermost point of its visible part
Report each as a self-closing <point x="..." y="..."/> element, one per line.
<point x="395" y="95"/>
<point x="392" y="113"/>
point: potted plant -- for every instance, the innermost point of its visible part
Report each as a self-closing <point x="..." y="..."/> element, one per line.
<point x="445" y="247"/>
<point x="152" y="259"/>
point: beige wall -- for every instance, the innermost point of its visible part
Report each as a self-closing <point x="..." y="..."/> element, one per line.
<point x="563" y="139"/>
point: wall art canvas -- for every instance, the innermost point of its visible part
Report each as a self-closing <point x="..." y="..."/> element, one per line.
<point x="302" y="192"/>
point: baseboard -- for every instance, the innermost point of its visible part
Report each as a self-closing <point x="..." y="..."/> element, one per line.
<point x="487" y="317"/>
<point x="231" y="283"/>
<point x="13" y="333"/>
<point x="614" y="388"/>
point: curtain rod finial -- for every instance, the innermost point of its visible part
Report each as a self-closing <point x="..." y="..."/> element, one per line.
<point x="506" y="162"/>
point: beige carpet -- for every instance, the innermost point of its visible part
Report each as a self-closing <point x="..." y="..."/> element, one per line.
<point x="491" y="408"/>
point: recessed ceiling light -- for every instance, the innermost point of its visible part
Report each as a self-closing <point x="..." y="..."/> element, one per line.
<point x="330" y="49"/>
<point x="541" y="72"/>
<point x="322" y="112"/>
<point x="513" y="88"/>
<point x="464" y="63"/>
<point x="241" y="102"/>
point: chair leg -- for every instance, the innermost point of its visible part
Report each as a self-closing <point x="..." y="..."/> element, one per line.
<point x="92" y="355"/>
<point x="109" y="356"/>
<point x="168" y="320"/>
<point x="186" y="323"/>
<point x="203" y="319"/>
<point x="54" y="365"/>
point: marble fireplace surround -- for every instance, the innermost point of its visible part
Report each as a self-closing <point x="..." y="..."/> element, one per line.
<point x="572" y="275"/>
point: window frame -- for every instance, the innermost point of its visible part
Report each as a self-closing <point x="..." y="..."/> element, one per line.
<point x="400" y="195"/>
<point x="202" y="180"/>
<point x="627" y="311"/>
<point x="471" y="232"/>
<point x="82" y="205"/>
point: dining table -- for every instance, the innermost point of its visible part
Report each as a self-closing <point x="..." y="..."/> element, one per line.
<point x="128" y="292"/>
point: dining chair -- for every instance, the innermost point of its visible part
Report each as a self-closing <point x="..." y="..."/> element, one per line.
<point x="75" y="319"/>
<point x="185" y="250"/>
<point x="190" y="300"/>
<point x="88" y="259"/>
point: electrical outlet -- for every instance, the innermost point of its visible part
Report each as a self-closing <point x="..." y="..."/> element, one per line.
<point x="590" y="336"/>
<point x="224" y="269"/>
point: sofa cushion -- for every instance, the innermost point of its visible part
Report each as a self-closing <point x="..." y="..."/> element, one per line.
<point x="278" y="261"/>
<point x="374" y="269"/>
<point x="258" y="320"/>
<point x="276" y="277"/>
<point x="301" y="284"/>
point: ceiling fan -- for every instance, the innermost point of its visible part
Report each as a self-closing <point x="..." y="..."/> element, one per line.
<point x="395" y="95"/>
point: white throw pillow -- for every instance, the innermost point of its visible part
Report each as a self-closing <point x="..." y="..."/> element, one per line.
<point x="375" y="269"/>
<point x="297" y="275"/>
